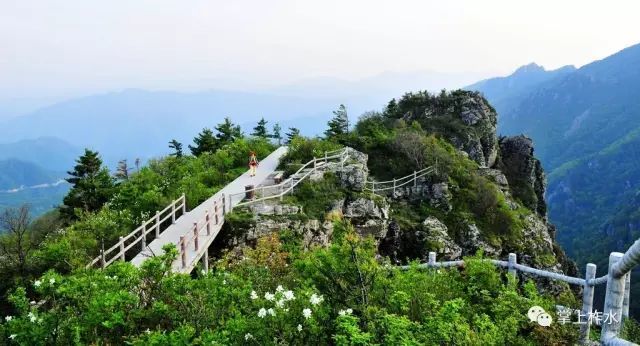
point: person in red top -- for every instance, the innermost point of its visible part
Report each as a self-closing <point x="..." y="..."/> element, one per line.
<point x="253" y="164"/>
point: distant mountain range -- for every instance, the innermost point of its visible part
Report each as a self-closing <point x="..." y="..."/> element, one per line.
<point x="585" y="124"/>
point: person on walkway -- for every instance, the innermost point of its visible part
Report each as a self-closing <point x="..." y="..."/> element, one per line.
<point x="253" y="164"/>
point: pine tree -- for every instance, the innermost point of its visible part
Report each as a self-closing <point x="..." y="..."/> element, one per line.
<point x="277" y="133"/>
<point x="204" y="142"/>
<point x="177" y="147"/>
<point x="227" y="132"/>
<point x="261" y="129"/>
<point x="122" y="172"/>
<point x="339" y="125"/>
<point x="137" y="163"/>
<point x="293" y="133"/>
<point x="92" y="186"/>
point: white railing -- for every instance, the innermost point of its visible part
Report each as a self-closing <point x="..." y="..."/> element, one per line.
<point x="207" y="226"/>
<point x="392" y="185"/>
<point x="617" y="297"/>
<point x="264" y="193"/>
<point x="139" y="235"/>
<point x="616" y="301"/>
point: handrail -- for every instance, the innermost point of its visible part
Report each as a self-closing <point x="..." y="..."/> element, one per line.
<point x="513" y="267"/>
<point x="290" y="183"/>
<point x="616" y="301"/>
<point x="216" y="216"/>
<point x="139" y="234"/>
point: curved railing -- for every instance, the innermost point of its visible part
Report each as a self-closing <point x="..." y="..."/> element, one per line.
<point x="617" y="295"/>
<point x="264" y="193"/>
<point x="392" y="185"/>
<point x="139" y="235"/>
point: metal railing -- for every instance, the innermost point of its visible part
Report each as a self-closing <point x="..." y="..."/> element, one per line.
<point x="207" y="226"/>
<point x="617" y="295"/>
<point x="139" y="235"/>
<point x="264" y="193"/>
<point x="392" y="185"/>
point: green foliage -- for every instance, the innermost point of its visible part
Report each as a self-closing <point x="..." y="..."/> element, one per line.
<point x="293" y="133"/>
<point x="317" y="198"/>
<point x="177" y="148"/>
<point x="228" y="132"/>
<point x="261" y="129"/>
<point x="92" y="186"/>
<point x="302" y="150"/>
<point x="277" y="133"/>
<point x="340" y="294"/>
<point x="338" y="125"/>
<point x="205" y="142"/>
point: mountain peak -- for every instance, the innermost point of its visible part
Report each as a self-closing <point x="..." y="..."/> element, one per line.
<point x="529" y="68"/>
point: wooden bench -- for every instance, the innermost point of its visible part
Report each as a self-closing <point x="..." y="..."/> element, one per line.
<point x="277" y="177"/>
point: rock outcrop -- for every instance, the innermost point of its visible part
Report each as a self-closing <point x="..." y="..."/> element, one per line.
<point x="466" y="120"/>
<point x="523" y="172"/>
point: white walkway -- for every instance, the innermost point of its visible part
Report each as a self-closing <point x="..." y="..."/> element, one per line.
<point x="185" y="224"/>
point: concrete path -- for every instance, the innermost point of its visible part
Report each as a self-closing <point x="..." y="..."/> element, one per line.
<point x="185" y="224"/>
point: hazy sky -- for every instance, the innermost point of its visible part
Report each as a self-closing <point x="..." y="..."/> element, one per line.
<point x="58" y="47"/>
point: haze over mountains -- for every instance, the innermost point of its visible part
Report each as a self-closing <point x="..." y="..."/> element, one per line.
<point x="585" y="124"/>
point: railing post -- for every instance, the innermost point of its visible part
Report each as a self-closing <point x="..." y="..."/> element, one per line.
<point x="627" y="291"/>
<point x="143" y="240"/>
<point x="184" y="204"/>
<point x="103" y="262"/>
<point x="314" y="163"/>
<point x="415" y="179"/>
<point x="224" y="204"/>
<point x="587" y="302"/>
<point x="195" y="236"/>
<point x="325" y="157"/>
<point x="373" y="187"/>
<point x="613" y="301"/>
<point x="121" y="249"/>
<point x="173" y="213"/>
<point x="157" y="223"/>
<point x="432" y="259"/>
<point x="205" y="261"/>
<point x="183" y="252"/>
<point x="215" y="213"/>
<point x="394" y="186"/>
<point x="512" y="264"/>
<point x="208" y="223"/>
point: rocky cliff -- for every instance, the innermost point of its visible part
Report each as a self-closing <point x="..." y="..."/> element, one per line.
<point x="486" y="194"/>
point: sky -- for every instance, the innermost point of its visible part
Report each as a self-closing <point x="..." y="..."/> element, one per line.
<point x="55" y="48"/>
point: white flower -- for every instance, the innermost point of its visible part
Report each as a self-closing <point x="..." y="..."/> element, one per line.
<point x="269" y="296"/>
<point x="148" y="331"/>
<point x="8" y="318"/>
<point x="271" y="312"/>
<point x="12" y="336"/>
<point x="349" y="311"/>
<point x="224" y="282"/>
<point x="280" y="303"/>
<point x="37" y="283"/>
<point x="52" y="281"/>
<point x="342" y="312"/>
<point x="288" y="295"/>
<point x="306" y="313"/>
<point x="248" y="336"/>
<point x="254" y="295"/>
<point x="316" y="299"/>
<point x="262" y="313"/>
<point x="286" y="310"/>
<point x="299" y="327"/>
<point x="279" y="288"/>
<point x="32" y="317"/>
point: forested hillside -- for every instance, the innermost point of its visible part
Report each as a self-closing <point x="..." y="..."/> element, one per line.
<point x="322" y="270"/>
<point x="586" y="126"/>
